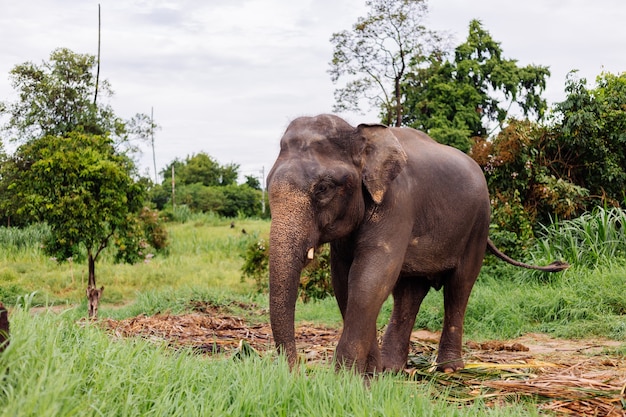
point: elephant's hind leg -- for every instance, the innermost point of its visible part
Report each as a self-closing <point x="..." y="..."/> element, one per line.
<point x="407" y="298"/>
<point x="456" y="292"/>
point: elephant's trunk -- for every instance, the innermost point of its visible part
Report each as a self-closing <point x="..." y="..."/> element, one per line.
<point x="291" y="240"/>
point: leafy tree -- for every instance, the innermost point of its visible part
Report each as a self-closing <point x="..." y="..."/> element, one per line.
<point x="525" y="190"/>
<point x="591" y="149"/>
<point x="202" y="169"/>
<point x="253" y="182"/>
<point x="456" y="100"/>
<point x="203" y="185"/>
<point x="536" y="173"/>
<point x="57" y="97"/>
<point x="240" y="200"/>
<point x="375" y="56"/>
<point x="84" y="190"/>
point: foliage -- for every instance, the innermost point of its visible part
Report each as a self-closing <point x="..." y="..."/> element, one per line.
<point x="525" y="190"/>
<point x="240" y="200"/>
<point x="456" y="100"/>
<point x="85" y="191"/>
<point x="201" y="169"/>
<point x="315" y="282"/>
<point x="256" y="264"/>
<point x="203" y="185"/>
<point x="537" y="173"/>
<point x="57" y="97"/>
<point x="79" y="185"/>
<point x="591" y="147"/>
<point x="253" y="182"/>
<point x="375" y="55"/>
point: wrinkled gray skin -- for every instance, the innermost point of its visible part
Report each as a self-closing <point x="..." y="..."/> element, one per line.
<point x="402" y="214"/>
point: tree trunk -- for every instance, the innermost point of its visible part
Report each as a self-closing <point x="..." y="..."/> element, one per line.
<point x="93" y="293"/>
<point x="4" y="328"/>
<point x="398" y="94"/>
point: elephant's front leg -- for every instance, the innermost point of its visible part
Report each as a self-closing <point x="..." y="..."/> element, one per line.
<point x="370" y="280"/>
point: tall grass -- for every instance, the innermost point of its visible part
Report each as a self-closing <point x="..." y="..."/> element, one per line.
<point x="54" y="367"/>
<point x="588" y="240"/>
<point x="25" y="242"/>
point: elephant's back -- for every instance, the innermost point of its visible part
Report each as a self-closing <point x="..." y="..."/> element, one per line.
<point x="441" y="165"/>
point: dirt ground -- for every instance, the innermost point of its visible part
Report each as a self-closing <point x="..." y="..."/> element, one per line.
<point x="566" y="377"/>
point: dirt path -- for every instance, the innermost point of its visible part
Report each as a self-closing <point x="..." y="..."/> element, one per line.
<point x="579" y="377"/>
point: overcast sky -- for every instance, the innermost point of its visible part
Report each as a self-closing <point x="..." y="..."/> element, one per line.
<point x="225" y="77"/>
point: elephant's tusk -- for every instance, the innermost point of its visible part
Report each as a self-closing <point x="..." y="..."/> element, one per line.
<point x="311" y="253"/>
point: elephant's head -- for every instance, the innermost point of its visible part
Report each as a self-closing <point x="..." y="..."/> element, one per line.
<point x="325" y="175"/>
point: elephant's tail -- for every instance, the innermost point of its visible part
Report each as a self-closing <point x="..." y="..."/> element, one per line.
<point x="555" y="266"/>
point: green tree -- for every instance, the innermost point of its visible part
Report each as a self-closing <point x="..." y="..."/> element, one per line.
<point x="202" y="169"/>
<point x="203" y="185"/>
<point x="375" y="56"/>
<point x="85" y="191"/>
<point x="253" y="182"/>
<point x="57" y="97"/>
<point x="578" y="162"/>
<point x="524" y="187"/>
<point x="456" y="100"/>
<point x="240" y="199"/>
<point x="591" y="148"/>
<point x="72" y="169"/>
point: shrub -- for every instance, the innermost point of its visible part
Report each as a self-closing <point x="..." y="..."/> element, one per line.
<point x="315" y="282"/>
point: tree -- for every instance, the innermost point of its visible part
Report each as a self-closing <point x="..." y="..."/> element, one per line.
<point x="525" y="189"/>
<point x="538" y="172"/>
<point x="591" y="149"/>
<point x="376" y="54"/>
<point x="56" y="98"/>
<point x="456" y="100"/>
<point x="253" y="182"/>
<point x="203" y="185"/>
<point x="202" y="169"/>
<point x="84" y="190"/>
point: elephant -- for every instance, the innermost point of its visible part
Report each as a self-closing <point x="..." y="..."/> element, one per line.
<point x="402" y="214"/>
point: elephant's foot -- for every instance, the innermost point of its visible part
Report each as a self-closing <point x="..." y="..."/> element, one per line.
<point x="393" y="361"/>
<point x="449" y="362"/>
<point x="357" y="358"/>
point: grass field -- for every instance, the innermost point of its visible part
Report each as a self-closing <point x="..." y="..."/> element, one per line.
<point x="57" y="364"/>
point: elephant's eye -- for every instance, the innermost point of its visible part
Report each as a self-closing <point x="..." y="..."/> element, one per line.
<point x="324" y="191"/>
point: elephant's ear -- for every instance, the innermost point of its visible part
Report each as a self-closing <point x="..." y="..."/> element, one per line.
<point x="382" y="158"/>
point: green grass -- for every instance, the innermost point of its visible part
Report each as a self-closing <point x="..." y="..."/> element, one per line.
<point x="205" y="252"/>
<point x="56" y="367"/>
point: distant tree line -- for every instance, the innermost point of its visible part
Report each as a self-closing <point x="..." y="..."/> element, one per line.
<point x="203" y="185"/>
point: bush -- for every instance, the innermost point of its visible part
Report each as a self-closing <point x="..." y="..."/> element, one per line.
<point x="256" y="264"/>
<point x="315" y="282"/>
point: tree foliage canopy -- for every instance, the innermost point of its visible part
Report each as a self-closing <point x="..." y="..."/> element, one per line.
<point x="80" y="186"/>
<point x="201" y="168"/>
<point x="454" y="100"/>
<point x="538" y="172"/>
<point x="57" y="97"/>
<point x="591" y="149"/>
<point x="203" y="185"/>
